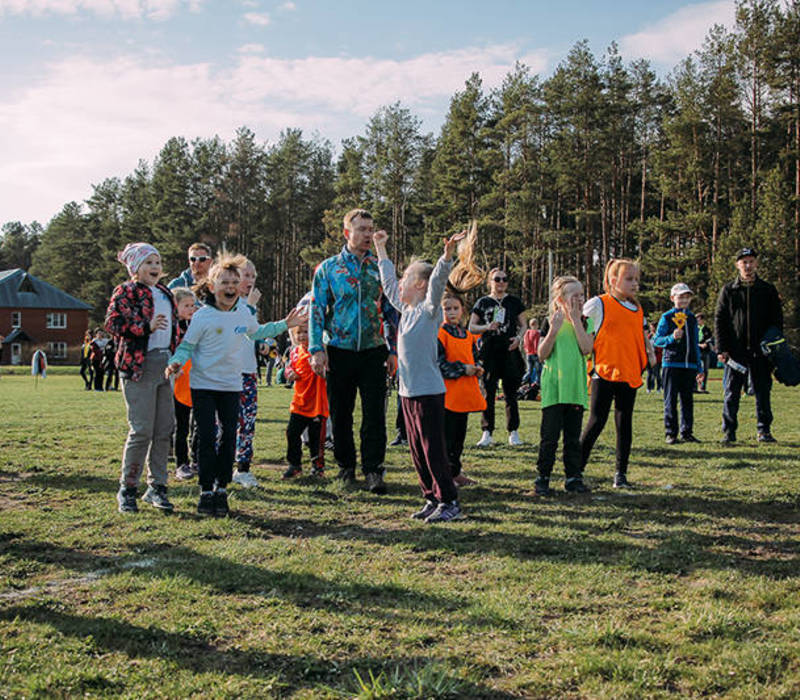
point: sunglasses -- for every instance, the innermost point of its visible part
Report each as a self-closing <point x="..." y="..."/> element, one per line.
<point x="198" y="258"/>
<point x="499" y="279"/>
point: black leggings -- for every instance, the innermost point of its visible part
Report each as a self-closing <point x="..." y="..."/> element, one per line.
<point x="602" y="394"/>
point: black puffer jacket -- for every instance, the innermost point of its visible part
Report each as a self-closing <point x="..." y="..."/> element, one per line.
<point x="744" y="313"/>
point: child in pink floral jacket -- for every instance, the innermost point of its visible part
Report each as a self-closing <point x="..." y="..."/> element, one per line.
<point x="142" y="316"/>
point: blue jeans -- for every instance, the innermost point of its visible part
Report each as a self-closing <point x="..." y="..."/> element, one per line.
<point x="679" y="383"/>
<point x="532" y="375"/>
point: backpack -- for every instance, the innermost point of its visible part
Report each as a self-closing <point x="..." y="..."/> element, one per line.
<point x="785" y="366"/>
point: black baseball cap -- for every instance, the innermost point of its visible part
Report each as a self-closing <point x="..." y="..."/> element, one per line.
<point x="746" y="252"/>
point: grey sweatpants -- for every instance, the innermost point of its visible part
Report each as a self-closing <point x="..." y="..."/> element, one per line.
<point x="151" y="417"/>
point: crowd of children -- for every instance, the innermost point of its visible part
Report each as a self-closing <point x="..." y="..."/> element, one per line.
<point x="188" y="358"/>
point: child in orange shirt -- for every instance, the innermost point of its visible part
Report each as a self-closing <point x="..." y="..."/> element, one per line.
<point x="309" y="408"/>
<point x="458" y="362"/>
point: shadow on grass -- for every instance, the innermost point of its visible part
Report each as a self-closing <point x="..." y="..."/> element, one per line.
<point x="195" y="653"/>
<point x="389" y="601"/>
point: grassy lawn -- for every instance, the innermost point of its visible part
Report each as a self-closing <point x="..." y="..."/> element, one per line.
<point x="689" y="585"/>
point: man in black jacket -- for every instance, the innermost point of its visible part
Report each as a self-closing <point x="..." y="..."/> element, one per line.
<point x="746" y="308"/>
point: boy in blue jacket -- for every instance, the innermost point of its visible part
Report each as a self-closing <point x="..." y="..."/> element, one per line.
<point x="677" y="333"/>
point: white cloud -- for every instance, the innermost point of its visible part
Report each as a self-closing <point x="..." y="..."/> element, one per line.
<point x="288" y="6"/>
<point x="676" y="36"/>
<point x="88" y="119"/>
<point x="259" y="19"/>
<point x="251" y="48"/>
<point x="126" y="9"/>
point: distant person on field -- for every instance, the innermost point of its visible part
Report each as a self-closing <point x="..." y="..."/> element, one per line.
<point x="199" y="264"/>
<point x="143" y="318"/>
<point x="677" y="334"/>
<point x="530" y="343"/>
<point x="707" y="354"/>
<point x="87" y="373"/>
<point x="746" y="308"/>
<point x="563" y="351"/>
<point x="96" y="354"/>
<point x="110" y="366"/>
<point x="499" y="319"/>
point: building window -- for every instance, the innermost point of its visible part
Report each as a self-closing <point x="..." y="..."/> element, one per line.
<point x="58" y="350"/>
<point x="16" y="319"/>
<point x="56" y="320"/>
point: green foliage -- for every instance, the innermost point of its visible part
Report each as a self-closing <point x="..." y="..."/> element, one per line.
<point x="601" y="159"/>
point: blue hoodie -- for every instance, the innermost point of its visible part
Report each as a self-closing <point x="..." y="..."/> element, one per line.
<point x="683" y="353"/>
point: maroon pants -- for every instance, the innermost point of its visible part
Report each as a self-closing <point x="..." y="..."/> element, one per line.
<point x="424" y="416"/>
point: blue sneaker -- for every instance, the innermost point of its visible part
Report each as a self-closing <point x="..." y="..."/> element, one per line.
<point x="445" y="512"/>
<point x="427" y="509"/>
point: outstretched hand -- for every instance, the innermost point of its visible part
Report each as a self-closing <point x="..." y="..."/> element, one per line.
<point x="451" y="243"/>
<point x="296" y="317"/>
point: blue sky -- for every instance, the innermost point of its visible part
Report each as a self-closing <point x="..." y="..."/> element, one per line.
<point x="91" y="86"/>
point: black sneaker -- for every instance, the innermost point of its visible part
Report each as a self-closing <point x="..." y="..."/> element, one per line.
<point x="126" y="500"/>
<point x="205" y="506"/>
<point x="375" y="483"/>
<point x="292" y="471"/>
<point x="576" y="485"/>
<point x="727" y="439"/>
<point x="766" y="437"/>
<point x="398" y="440"/>
<point x="541" y="487"/>
<point x="689" y="438"/>
<point x="346" y="476"/>
<point x="621" y="481"/>
<point x="221" y="509"/>
<point x="671" y="439"/>
<point x="426" y="510"/>
<point x="156" y="496"/>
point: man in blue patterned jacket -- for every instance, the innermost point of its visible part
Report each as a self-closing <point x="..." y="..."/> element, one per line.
<point x="349" y="323"/>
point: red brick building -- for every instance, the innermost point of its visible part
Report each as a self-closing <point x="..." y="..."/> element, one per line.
<point x="36" y="314"/>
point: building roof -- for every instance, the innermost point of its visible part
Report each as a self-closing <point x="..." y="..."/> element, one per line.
<point x="20" y="290"/>
<point x="18" y="336"/>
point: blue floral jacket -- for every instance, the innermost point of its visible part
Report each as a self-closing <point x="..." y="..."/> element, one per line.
<point x="348" y="307"/>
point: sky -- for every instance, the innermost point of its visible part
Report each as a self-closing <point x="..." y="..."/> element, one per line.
<point x="90" y="87"/>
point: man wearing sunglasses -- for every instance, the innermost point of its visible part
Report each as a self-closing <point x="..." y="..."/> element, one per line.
<point x="199" y="264"/>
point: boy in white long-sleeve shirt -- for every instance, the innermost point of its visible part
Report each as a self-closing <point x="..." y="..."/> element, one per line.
<point x="213" y="341"/>
<point x="417" y="296"/>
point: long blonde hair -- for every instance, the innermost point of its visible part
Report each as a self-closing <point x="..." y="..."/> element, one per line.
<point x="466" y="274"/>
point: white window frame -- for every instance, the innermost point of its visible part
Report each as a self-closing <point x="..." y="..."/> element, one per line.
<point x="57" y="350"/>
<point x="56" y="319"/>
<point x="16" y="319"/>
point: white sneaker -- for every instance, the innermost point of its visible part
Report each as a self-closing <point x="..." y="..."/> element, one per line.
<point x="514" y="438"/>
<point x="486" y="440"/>
<point x="245" y="479"/>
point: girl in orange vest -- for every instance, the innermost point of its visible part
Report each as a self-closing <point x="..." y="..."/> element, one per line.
<point x="458" y="362"/>
<point x="621" y="352"/>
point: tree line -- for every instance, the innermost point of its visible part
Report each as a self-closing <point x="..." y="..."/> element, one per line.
<point x="601" y="159"/>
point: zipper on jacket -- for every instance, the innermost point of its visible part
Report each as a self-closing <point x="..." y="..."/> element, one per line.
<point x="358" y="308"/>
<point x="747" y="317"/>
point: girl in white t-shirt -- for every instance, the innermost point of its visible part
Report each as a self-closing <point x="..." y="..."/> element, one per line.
<point x="214" y="344"/>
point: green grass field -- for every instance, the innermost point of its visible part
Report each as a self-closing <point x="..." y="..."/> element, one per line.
<point x="689" y="585"/>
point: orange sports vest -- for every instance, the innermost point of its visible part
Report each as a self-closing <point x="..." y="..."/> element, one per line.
<point x="619" y="354"/>
<point x="181" y="388"/>
<point x="462" y="395"/>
